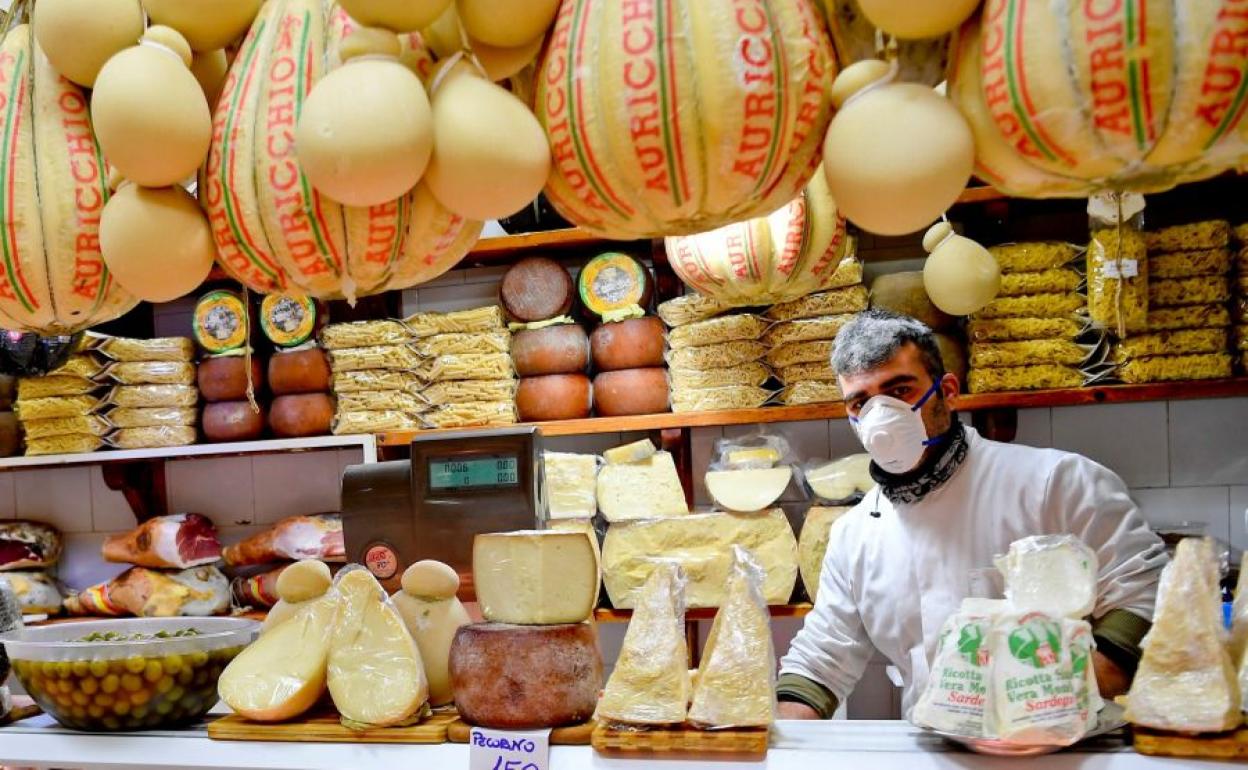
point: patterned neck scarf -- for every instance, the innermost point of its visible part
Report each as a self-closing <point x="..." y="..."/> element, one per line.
<point x="913" y="486"/>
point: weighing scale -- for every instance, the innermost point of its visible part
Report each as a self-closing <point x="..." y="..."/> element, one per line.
<point x="455" y="486"/>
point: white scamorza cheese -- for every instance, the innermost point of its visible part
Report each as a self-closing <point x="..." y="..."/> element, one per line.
<point x="748" y="490"/>
<point x="533" y="577"/>
<point x="642" y="490"/>
<point x="1053" y="574"/>
<point x="571" y="484"/>
<point x="432" y="614"/>
<point x="636" y="452"/>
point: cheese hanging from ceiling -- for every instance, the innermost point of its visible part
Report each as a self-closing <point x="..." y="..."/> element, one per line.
<point x="620" y="485"/>
<point x="535" y="577"/>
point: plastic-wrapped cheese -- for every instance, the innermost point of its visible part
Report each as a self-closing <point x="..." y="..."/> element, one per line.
<point x="956" y="695"/>
<point x="812" y="544"/>
<point x="841" y="479"/>
<point x="637" y="451"/>
<point x="571" y="484"/>
<point x="747" y="490"/>
<point x="433" y="615"/>
<point x="619" y="485"/>
<point x="1053" y="574"/>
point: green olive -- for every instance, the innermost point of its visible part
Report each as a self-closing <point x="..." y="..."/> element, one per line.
<point x="98" y="668"/>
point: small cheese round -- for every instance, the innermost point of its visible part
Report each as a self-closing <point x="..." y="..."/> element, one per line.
<point x="909" y="20"/>
<point x="631" y="391"/>
<point x="79" y="36"/>
<point x="905" y="293"/>
<point x="306" y="414"/>
<point x="304" y="580"/>
<point x="210" y="69"/>
<point x="554" y="397"/>
<point x="960" y="275"/>
<point x="536" y="289"/>
<point x="562" y="349"/>
<point x="501" y="63"/>
<point x="525" y="677"/>
<point x="206" y="24"/>
<point x="299" y="371"/>
<point x="397" y="15"/>
<point x="430" y="579"/>
<point x="632" y="344"/>
<point x="156" y="241"/>
<point x="232" y="421"/>
<point x="224" y="378"/>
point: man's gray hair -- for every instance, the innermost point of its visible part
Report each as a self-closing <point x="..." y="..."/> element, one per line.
<point x="874" y="337"/>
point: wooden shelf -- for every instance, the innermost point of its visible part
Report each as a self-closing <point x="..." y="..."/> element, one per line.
<point x="608" y="615"/>
<point x="367" y="444"/>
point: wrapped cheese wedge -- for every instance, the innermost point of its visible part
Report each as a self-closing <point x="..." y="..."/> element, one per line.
<point x="750" y="489"/>
<point x="174" y="542"/>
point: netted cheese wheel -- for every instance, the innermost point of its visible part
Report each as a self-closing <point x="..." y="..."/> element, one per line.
<point x="206" y="24"/>
<point x="725" y="126"/>
<point x="304" y="580"/>
<point x="910" y="20"/>
<point x="397" y="15"/>
<point x="506" y="23"/>
<point x="78" y="36"/>
<point x="501" y="63"/>
<point x="364" y="136"/>
<point x="960" y="276"/>
<point x="490" y="157"/>
<point x="156" y="241"/>
<point x="210" y="68"/>
<point x="150" y="113"/>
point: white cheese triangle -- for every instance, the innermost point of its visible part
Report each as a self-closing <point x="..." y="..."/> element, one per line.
<point x="750" y="490"/>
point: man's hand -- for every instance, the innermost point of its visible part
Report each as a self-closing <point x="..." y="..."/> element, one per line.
<point x="791" y="710"/>
<point x="1110" y="678"/>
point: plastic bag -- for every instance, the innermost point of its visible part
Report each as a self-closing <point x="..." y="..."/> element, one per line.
<point x="758" y="449"/>
<point x="57" y="406"/>
<point x="1118" y="263"/>
<point x="54" y="385"/>
<point x="1058" y="280"/>
<point x="754" y="373"/>
<point x="469" y="366"/>
<point x="154" y="395"/>
<point x="471" y="414"/>
<point x="481" y="319"/>
<point x="852" y="299"/>
<point x="390" y="357"/>
<point x="717" y="330"/>
<point x="690" y="308"/>
<point x="364" y="334"/>
<point x="1198" y="290"/>
<point x="716" y="356"/>
<point x="1029" y="353"/>
<point x="158" y="349"/>
<point x="150" y="593"/>
<point x="86" y="366"/>
<point x="811" y="392"/>
<point x="1038" y="377"/>
<point x="1034" y="565"/>
<point x="1034" y="306"/>
<point x="348" y="423"/>
<point x="844" y="481"/>
<point x="1187" y="264"/>
<point x="153" y="437"/>
<point x="711" y="399"/>
<point x="1200" y="366"/>
<point x="1192" y="317"/>
<point x="460" y="391"/>
<point x="72" y="443"/>
<point x="1020" y="329"/>
<point x="81" y="424"/>
<point x="1179" y="342"/>
<point x="376" y="379"/>
<point x="151" y="417"/>
<point x="1210" y="234"/>
<point x="1034" y="257"/>
<point x="152" y="373"/>
<point x="817" y="352"/>
<point x="381" y="401"/>
<point x="571" y="485"/>
<point x="293" y="538"/>
<point x="460" y="344"/>
<point x="806" y="329"/>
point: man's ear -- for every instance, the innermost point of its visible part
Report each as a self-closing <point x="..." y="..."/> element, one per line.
<point x="949" y="385"/>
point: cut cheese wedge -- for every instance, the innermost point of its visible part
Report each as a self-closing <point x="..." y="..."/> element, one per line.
<point x="533" y="577"/>
<point x="376" y="676"/>
<point x="636" y="452"/>
<point x="282" y="674"/>
<point x="642" y="490"/>
<point x="748" y="490"/>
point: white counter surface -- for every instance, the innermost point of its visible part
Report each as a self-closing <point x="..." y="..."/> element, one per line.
<point x="854" y="745"/>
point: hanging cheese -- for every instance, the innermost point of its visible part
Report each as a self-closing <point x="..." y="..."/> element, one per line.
<point x="207" y="26"/>
<point x="445" y="35"/>
<point x="618" y="484"/>
<point x="433" y="615"/>
<point x="79" y="36"/>
<point x="506" y="22"/>
<point x="500" y="62"/>
<point x="909" y="20"/>
<point x="156" y="241"/>
<point x="210" y="69"/>
<point x="960" y="276"/>
<point x="855" y="38"/>
<point x="396" y="15"/>
<point x="535" y="577"/>
<point x="727" y="128"/>
<point x="748" y="490"/>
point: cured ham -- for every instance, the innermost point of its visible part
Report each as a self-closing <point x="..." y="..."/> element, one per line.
<point x="28" y="545"/>
<point x="196" y="592"/>
<point x="178" y="541"/>
<point x="317" y="536"/>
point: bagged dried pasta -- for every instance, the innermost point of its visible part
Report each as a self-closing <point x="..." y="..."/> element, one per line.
<point x="57" y="406"/>
<point x="83" y="366"/>
<point x="139" y="396"/>
<point x="1039" y="377"/>
<point x="159" y="349"/>
<point x="459" y="391"/>
<point x="716" y="356"/>
<point x="153" y="416"/>
<point x="811" y="393"/>
<point x="347" y="423"/>
<point x="375" y="379"/>
<point x="470" y="366"/>
<point x="364" y="334"/>
<point x="816" y="371"/>
<point x="1118" y="263"/>
<point x="61" y="445"/>
<point x="1178" y="342"/>
<point x="1241" y="337"/>
<point x="1026" y="353"/>
<point x="381" y="401"/>
<point x="81" y="424"/>
<point x="729" y="328"/>
<point x="852" y="299"/>
<point x="847" y="273"/>
<point x="152" y="373"/>
<point x="753" y="373"/>
<point x="690" y="308"/>
<point x="1178" y="292"/>
<point x="1190" y="317"/>
<point x="54" y="385"/>
<point x="819" y="351"/>
<point x="481" y="319"/>
<point x="1057" y="280"/>
<point x="1187" y="264"/>
<point x="1241" y="311"/>
<point x="1212" y="234"/>
<point x="460" y="344"/>
<point x="711" y="399"/>
<point x="392" y="357"/>
<point x="1034" y="257"/>
<point x="1015" y="329"/>
<point x="153" y="437"/>
<point x="471" y="414"/>
<point x="1034" y="306"/>
<point x="1201" y="366"/>
<point x="807" y="329"/>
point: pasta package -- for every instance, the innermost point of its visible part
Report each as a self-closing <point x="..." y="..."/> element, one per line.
<point x="1182" y="341"/>
<point x="1187" y="264"/>
<point x="852" y="299"/>
<point x="381" y="401"/>
<point x="471" y="414"/>
<point x="470" y="366"/>
<point x="1056" y="280"/>
<point x="1241" y="311"/>
<point x="158" y="349"/>
<point x="716" y="356"/>
<point x="1034" y="306"/>
<point x="152" y="372"/>
<point x="1038" y="377"/>
<point x="711" y="399"/>
<point x="1017" y="329"/>
<point x="1026" y="353"/>
<point x="139" y="396"/>
<point x="1034" y="257"/>
<point x="1240" y="233"/>
<point x="58" y="406"/>
<point x="75" y="443"/>
<point x="459" y="344"/>
<point x="481" y="319"/>
<point x="347" y="423"/>
<point x="153" y="437"/>
<point x="460" y="391"/>
<point x="153" y="417"/>
<point x="364" y="334"/>
<point x="753" y="373"/>
<point x="690" y="308"/>
<point x="818" y="371"/>
<point x="1190" y="317"/>
<point x="715" y="331"/>
<point x="1118" y="279"/>
<point x="819" y="351"/>
<point x="1202" y="366"/>
<point x="806" y="329"/>
<point x="1212" y="234"/>
<point x="54" y="385"/>
<point x="375" y="379"/>
<point x="1178" y="292"/>
<point x="1241" y="337"/>
<point x="391" y="357"/>
<point x="81" y="424"/>
<point x="811" y="393"/>
<point x="83" y="366"/>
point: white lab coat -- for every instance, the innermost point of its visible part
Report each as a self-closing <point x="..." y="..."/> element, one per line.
<point x="890" y="582"/>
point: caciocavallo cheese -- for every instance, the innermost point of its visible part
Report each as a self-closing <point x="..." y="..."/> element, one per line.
<point x="641" y="490"/>
<point x="535" y="577"/>
<point x="571" y="483"/>
<point x="701" y="545"/>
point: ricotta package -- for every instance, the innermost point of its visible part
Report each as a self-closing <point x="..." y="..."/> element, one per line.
<point x="957" y="689"/>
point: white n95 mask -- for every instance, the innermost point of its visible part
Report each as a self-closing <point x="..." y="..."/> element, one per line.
<point x="893" y="432"/>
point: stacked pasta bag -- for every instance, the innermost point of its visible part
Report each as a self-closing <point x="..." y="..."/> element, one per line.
<point x="1239" y="304"/>
<point x="1029" y="338"/>
<point x="59" y="412"/>
<point x="466" y="368"/>
<point x="718" y="364"/>
<point x="374" y="376"/>
<point x="152" y="367"/>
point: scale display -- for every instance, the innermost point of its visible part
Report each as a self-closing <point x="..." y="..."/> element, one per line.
<point x="462" y="474"/>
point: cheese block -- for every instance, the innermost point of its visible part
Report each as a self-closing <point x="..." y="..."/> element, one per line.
<point x="956" y="693"/>
<point x="432" y="617"/>
<point x="512" y="677"/>
<point x="536" y="289"/>
<point x="1185" y="681"/>
<point x="306" y="414"/>
<point x="375" y="673"/>
<point x="532" y="577"/>
<point x="282" y="674"/>
<point x="636" y="452"/>
<point x="841" y="480"/>
<point x="736" y="683"/>
<point x="224" y="378"/>
<point x="642" y="490"/>
<point x="751" y="489"/>
<point x="559" y="349"/>
<point x="585" y="527"/>
<point x="631" y="391"/>
<point x="634" y="343"/>
<point x="571" y="484"/>
<point x="812" y="544"/>
<point x="650" y="682"/>
<point x="1053" y="574"/>
<point x="554" y="397"/>
<point x="299" y="371"/>
<point x="233" y="421"/>
<point x="700" y="543"/>
<point x="611" y="283"/>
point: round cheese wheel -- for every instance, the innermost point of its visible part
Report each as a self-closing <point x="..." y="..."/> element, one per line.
<point x="536" y="289"/>
<point x="288" y="320"/>
<point x="506" y="22"/>
<point x="156" y="241"/>
<point x="232" y="421"/>
<point x="562" y="349"/>
<point x="78" y="36"/>
<point x="304" y="580"/>
<point x="397" y="15"/>
<point x="308" y="414"/>
<point x="613" y="281"/>
<point x="525" y="677"/>
<point x="554" y="397"/>
<point x="220" y="321"/>
<point x="206" y="24"/>
<point x="299" y="371"/>
<point x="224" y="378"/>
<point x="631" y="391"/>
<point x="632" y="344"/>
<point x="960" y="275"/>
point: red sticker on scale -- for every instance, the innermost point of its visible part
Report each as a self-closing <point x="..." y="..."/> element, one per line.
<point x="382" y="561"/>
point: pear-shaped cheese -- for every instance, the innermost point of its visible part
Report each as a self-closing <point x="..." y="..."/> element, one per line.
<point x="909" y="20"/>
<point x="506" y="23"/>
<point x="79" y="36"/>
<point x="432" y="614"/>
<point x="396" y="15"/>
<point x="960" y="276"/>
<point x="445" y="35"/>
<point x="156" y="241"/>
<point x="376" y="676"/>
<point x="282" y="674"/>
<point x="209" y="69"/>
<point x="304" y="580"/>
<point x="748" y="490"/>
<point x="501" y="63"/>
<point x="206" y="24"/>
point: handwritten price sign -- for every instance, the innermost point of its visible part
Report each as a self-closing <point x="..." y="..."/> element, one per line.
<point x="508" y="749"/>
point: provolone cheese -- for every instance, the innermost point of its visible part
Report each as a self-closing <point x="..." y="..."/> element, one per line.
<point x="748" y="490"/>
<point x="636" y="452"/>
<point x="571" y="484"/>
<point x="641" y="490"/>
<point x="533" y="577"/>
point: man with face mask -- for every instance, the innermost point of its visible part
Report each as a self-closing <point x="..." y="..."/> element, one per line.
<point x="946" y="502"/>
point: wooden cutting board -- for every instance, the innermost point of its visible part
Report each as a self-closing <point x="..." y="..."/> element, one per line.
<point x="459" y="731"/>
<point x="325" y="727"/>
<point x="1233" y="745"/>
<point x="741" y="744"/>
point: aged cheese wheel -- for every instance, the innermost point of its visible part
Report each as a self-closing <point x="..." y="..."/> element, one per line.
<point x="396" y="15"/>
<point x="536" y="289"/>
<point x="911" y="21"/>
<point x="232" y="421"/>
<point x="501" y="63"/>
<point x="156" y="241"/>
<point x="632" y="344"/>
<point x="78" y="36"/>
<point x="490" y="155"/>
<point x="554" y="397"/>
<point x="613" y="281"/>
<point x="525" y="677"/>
<point x="206" y="24"/>
<point x="561" y="349"/>
<point x="960" y="275"/>
<point x="150" y="113"/>
<point x="631" y="391"/>
<point x="224" y="378"/>
<point x="904" y="293"/>
<point x="209" y="69"/>
<point x="299" y="371"/>
<point x="307" y="414"/>
<point x="506" y="22"/>
<point x="364" y="134"/>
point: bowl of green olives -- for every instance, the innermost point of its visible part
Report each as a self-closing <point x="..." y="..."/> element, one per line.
<point x="126" y="674"/>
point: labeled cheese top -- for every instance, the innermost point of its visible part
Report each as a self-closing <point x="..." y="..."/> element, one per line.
<point x="220" y="321"/>
<point x="287" y="320"/>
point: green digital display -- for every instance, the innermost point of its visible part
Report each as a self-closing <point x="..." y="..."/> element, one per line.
<point x="452" y="474"/>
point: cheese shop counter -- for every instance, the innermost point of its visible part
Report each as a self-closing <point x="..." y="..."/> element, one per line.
<point x="886" y="745"/>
